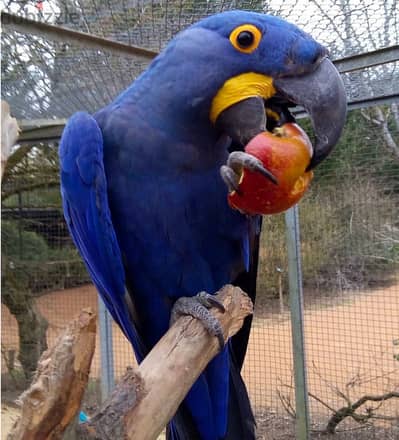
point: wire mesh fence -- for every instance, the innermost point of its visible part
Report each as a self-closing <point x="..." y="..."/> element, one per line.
<point x="349" y="219"/>
<point x="349" y="241"/>
<point x="48" y="76"/>
<point x="351" y="292"/>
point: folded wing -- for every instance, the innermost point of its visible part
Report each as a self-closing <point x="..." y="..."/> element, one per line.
<point x="87" y="213"/>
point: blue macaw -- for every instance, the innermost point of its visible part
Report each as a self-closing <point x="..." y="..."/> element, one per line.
<point x="144" y="183"/>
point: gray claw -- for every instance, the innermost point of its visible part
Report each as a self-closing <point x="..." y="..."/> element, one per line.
<point x="197" y="307"/>
<point x="230" y="178"/>
<point x="209" y="301"/>
<point x="239" y="159"/>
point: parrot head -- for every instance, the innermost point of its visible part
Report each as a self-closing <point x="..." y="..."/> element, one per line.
<point x="243" y="71"/>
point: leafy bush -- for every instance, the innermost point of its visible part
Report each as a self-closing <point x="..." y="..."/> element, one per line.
<point x="37" y="266"/>
<point x="19" y="244"/>
<point x="349" y="238"/>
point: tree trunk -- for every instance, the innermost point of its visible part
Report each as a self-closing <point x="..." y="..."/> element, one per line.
<point x="54" y="398"/>
<point x="32" y="326"/>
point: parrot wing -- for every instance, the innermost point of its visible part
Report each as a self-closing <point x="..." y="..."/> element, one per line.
<point x="87" y="213"/>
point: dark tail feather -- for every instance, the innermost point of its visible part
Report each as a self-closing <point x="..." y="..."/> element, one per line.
<point x="182" y="426"/>
<point x="241" y="423"/>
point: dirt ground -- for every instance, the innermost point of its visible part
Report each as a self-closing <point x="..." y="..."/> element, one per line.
<point x="349" y="345"/>
<point x="272" y="426"/>
<point x="9" y="415"/>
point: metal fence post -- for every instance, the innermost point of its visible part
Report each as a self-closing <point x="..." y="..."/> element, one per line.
<point x="106" y="350"/>
<point x="297" y="325"/>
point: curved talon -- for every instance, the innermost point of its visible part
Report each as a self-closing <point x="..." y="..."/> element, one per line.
<point x="197" y="307"/>
<point x="208" y="300"/>
<point x="239" y="159"/>
<point x="230" y="178"/>
<point x="261" y="169"/>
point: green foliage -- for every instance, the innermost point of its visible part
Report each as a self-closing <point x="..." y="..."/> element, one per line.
<point x="19" y="244"/>
<point x="31" y="179"/>
<point x="272" y="255"/>
<point x="316" y="234"/>
<point x="361" y="151"/>
<point x="41" y="197"/>
<point x="29" y="168"/>
<point x="349" y="239"/>
<point x="34" y="265"/>
<point x="12" y="380"/>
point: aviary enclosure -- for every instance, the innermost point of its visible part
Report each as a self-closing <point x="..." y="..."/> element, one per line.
<point x="61" y="56"/>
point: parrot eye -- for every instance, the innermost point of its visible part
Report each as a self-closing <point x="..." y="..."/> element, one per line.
<point x="246" y="38"/>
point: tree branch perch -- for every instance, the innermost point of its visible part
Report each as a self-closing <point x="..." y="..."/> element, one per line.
<point x="147" y="398"/>
<point x="144" y="400"/>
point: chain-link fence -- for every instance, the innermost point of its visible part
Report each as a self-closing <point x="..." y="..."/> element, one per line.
<point x="349" y="222"/>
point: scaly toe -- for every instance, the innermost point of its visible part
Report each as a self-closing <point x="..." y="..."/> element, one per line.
<point x="197" y="307"/>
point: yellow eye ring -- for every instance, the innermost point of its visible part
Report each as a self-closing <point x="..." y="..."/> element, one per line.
<point x="246" y="38"/>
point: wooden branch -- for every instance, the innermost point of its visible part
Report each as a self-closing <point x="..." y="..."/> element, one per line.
<point x="350" y="410"/>
<point x="148" y="397"/>
<point x="54" y="398"/>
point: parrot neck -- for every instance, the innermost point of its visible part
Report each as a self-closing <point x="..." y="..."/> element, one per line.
<point x="184" y="119"/>
<point x="166" y="125"/>
<point x="171" y="96"/>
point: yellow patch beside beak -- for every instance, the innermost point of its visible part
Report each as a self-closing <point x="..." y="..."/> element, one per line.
<point x="240" y="87"/>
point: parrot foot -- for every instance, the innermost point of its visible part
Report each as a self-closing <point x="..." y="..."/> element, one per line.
<point x="237" y="161"/>
<point x="197" y="307"/>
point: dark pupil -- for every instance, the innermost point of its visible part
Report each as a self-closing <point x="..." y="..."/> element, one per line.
<point x="245" y="39"/>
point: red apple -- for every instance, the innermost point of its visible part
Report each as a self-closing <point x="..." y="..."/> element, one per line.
<point x="286" y="153"/>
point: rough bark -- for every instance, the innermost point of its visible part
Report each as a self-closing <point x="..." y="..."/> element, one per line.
<point x="54" y="398"/>
<point x="148" y="397"/>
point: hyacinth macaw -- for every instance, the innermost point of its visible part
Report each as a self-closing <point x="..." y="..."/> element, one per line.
<point x="146" y="201"/>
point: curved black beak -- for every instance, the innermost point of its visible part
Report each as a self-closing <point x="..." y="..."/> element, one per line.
<point x="321" y="93"/>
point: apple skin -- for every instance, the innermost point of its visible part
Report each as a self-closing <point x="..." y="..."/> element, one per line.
<point x="286" y="153"/>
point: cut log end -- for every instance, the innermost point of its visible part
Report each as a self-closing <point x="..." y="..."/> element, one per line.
<point x="54" y="397"/>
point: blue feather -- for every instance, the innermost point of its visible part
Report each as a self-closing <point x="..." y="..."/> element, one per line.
<point x="147" y="208"/>
<point x="85" y="204"/>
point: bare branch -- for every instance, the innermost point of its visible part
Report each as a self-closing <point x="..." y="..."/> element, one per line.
<point x="350" y="410"/>
<point x="395" y="114"/>
<point x="381" y="121"/>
